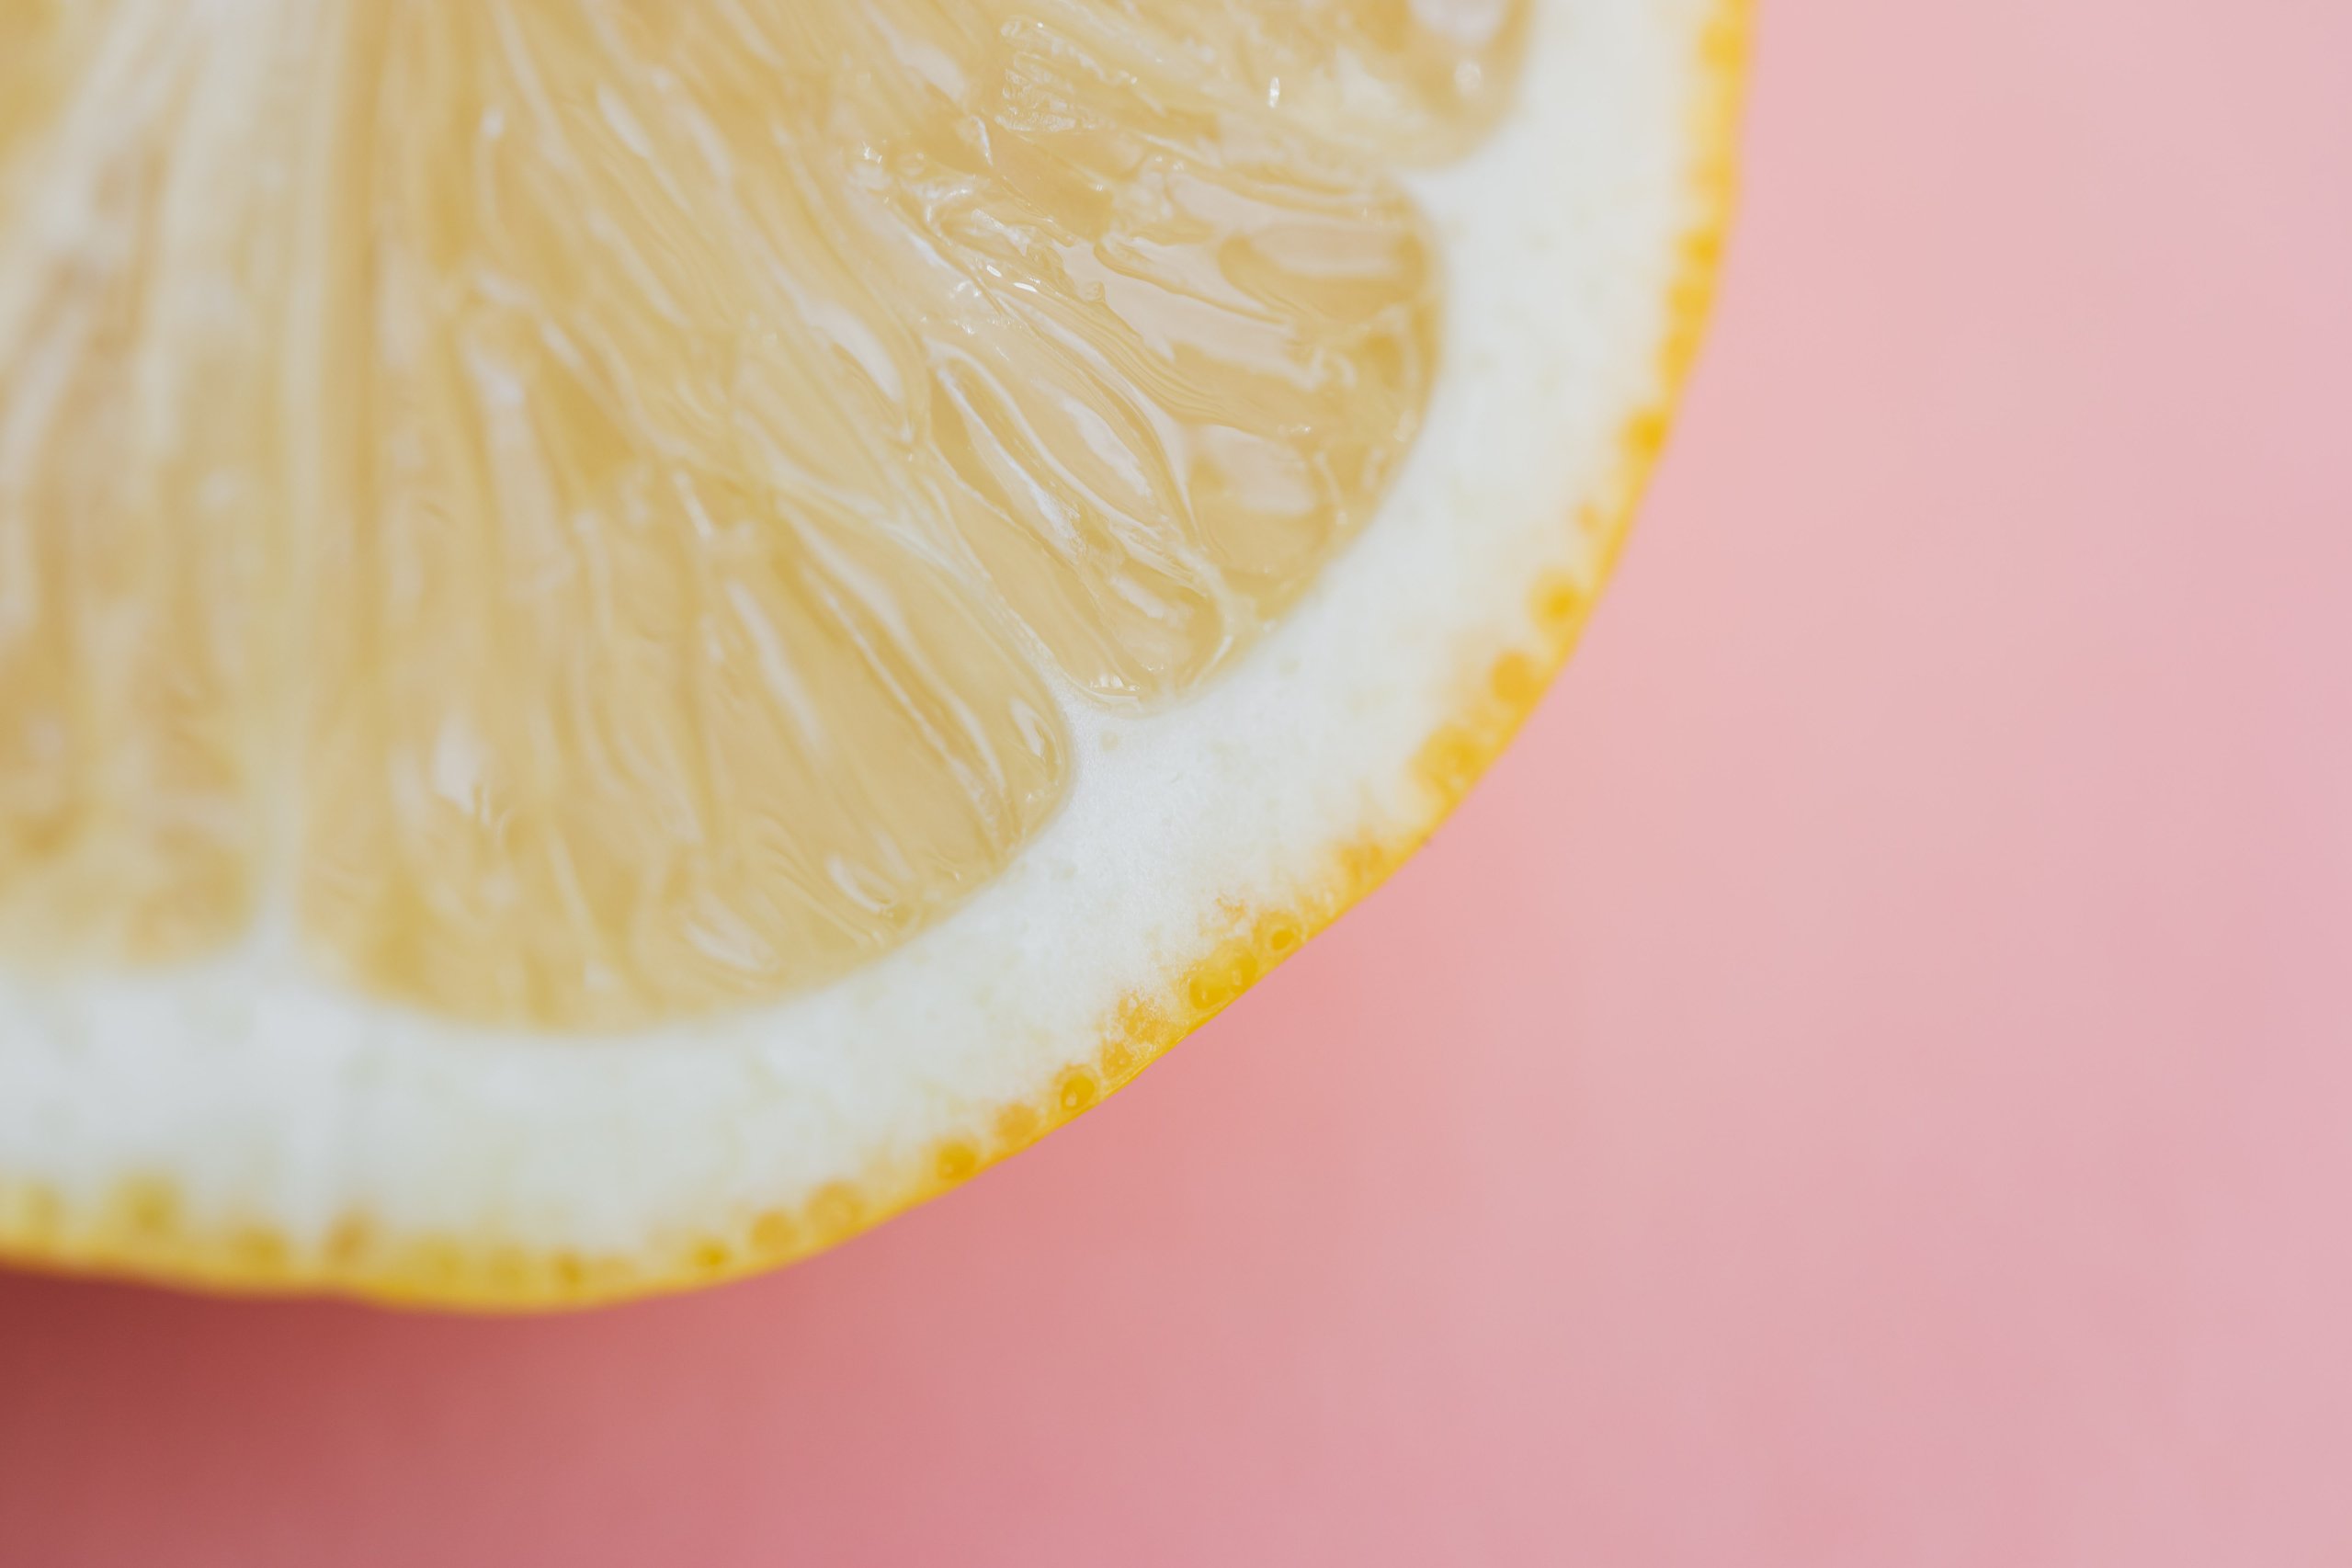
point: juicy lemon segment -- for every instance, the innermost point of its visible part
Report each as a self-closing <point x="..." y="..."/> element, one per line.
<point x="1416" y="80"/>
<point x="589" y="511"/>
<point x="143" y="509"/>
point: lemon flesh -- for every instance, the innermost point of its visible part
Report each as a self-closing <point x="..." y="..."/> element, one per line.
<point x="598" y="506"/>
<point x="632" y="633"/>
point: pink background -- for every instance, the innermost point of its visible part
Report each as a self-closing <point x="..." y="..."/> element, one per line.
<point x="1868" y="1081"/>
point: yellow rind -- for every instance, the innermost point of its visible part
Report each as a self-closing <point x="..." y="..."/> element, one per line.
<point x="142" y="1232"/>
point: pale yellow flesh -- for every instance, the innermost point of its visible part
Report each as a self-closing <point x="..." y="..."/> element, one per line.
<point x="591" y="511"/>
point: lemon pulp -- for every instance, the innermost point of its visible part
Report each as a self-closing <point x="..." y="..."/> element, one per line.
<point x="590" y="511"/>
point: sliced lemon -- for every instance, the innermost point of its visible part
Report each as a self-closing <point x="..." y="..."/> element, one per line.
<point x="634" y="633"/>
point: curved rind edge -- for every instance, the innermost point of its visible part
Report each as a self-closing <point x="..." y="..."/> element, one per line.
<point x="139" y="1231"/>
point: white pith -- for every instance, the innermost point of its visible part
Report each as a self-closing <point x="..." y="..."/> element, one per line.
<point x="265" y="1098"/>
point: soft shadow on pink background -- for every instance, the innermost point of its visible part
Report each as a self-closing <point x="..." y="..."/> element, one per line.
<point x="1867" y="1081"/>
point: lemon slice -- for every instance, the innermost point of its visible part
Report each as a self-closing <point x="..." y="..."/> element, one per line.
<point x="634" y="633"/>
